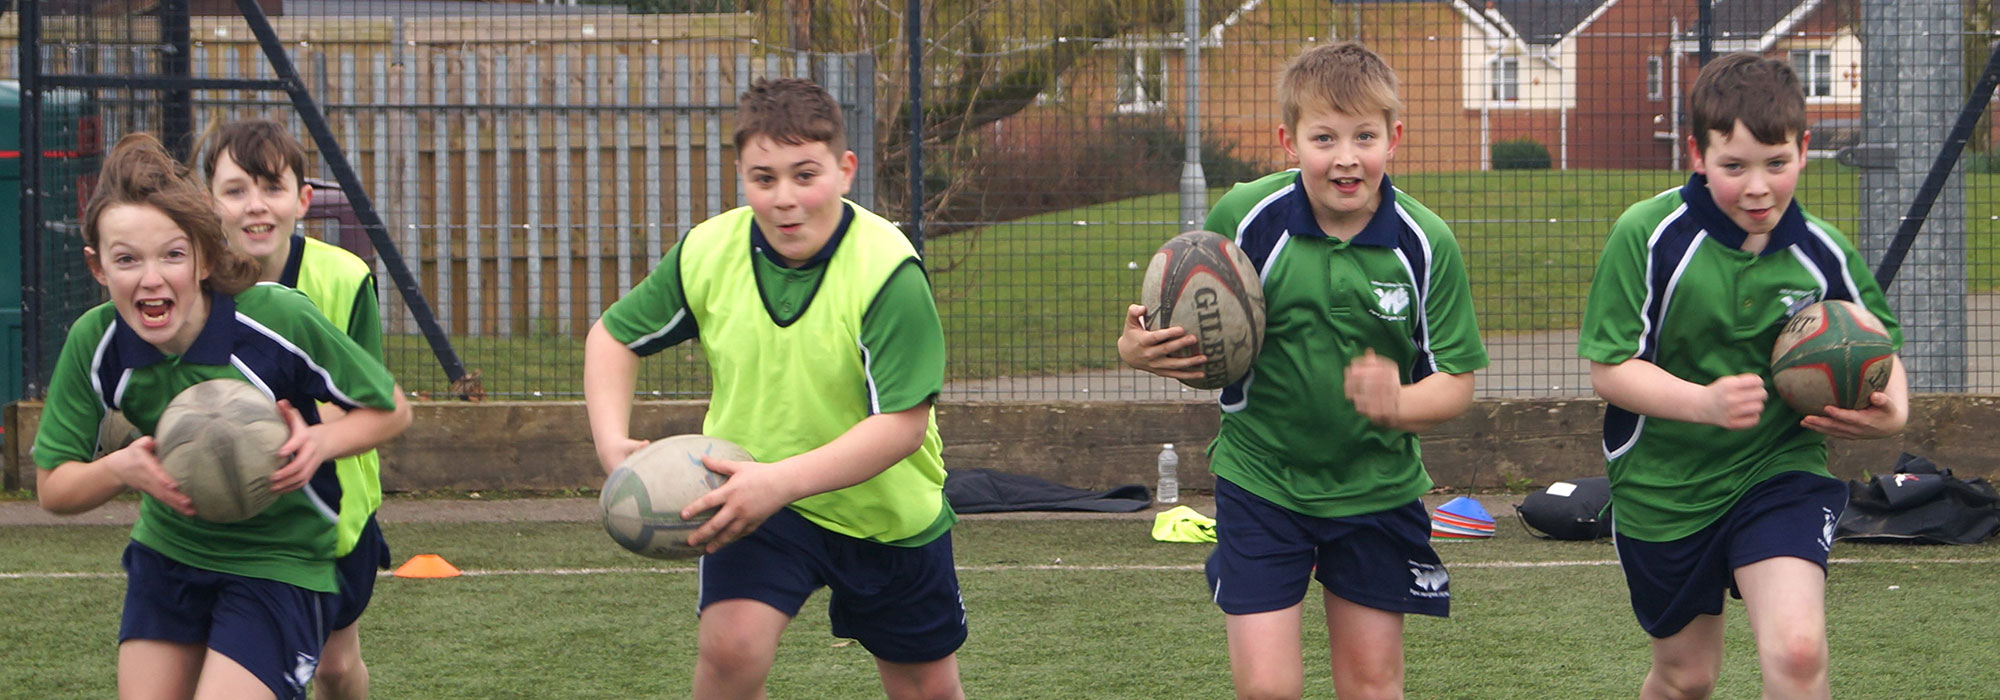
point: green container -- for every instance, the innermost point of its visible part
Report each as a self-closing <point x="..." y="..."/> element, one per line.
<point x="72" y="142"/>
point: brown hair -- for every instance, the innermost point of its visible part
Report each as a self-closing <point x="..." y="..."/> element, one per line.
<point x="138" y="172"/>
<point x="1345" y="77"/>
<point x="791" y="111"/>
<point x="263" y="148"/>
<point x="1762" y="94"/>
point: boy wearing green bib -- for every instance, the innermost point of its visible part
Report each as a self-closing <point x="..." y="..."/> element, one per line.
<point x="1715" y="487"/>
<point x="826" y="354"/>
<point x="1369" y="340"/>
<point x="256" y="173"/>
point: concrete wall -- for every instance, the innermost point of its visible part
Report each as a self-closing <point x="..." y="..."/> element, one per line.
<point x="545" y="445"/>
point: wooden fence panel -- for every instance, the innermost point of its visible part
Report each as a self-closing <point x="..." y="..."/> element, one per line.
<point x="503" y="159"/>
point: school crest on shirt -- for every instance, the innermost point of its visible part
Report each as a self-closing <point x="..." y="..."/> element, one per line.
<point x="1797" y="299"/>
<point x="1392" y="300"/>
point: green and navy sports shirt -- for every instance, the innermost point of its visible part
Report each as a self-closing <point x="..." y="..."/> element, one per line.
<point x="342" y="286"/>
<point x="1289" y="434"/>
<point x="1674" y="288"/>
<point x="800" y="355"/>
<point x="269" y="336"/>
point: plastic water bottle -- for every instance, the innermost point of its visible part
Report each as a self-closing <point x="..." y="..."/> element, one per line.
<point x="1170" y="477"/>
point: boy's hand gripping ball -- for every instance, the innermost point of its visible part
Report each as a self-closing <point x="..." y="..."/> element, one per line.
<point x="1202" y="282"/>
<point x="643" y="497"/>
<point x="1831" y="353"/>
<point x="219" y="440"/>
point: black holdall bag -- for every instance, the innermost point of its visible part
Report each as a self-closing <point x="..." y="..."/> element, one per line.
<point x="1572" y="509"/>
<point x="1919" y="503"/>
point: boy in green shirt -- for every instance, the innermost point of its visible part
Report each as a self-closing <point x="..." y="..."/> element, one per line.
<point x="255" y="172"/>
<point x="826" y="353"/>
<point x="1714" y="487"/>
<point x="1370" y="339"/>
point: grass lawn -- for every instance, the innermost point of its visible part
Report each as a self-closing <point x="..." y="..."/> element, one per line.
<point x="1046" y="294"/>
<point x="1058" y="609"/>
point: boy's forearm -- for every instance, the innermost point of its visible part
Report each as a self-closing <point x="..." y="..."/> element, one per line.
<point x="610" y="373"/>
<point x="869" y="448"/>
<point x="1644" y="388"/>
<point x="1433" y="400"/>
<point x="364" y="429"/>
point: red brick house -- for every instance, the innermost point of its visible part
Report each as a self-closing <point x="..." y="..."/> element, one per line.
<point x="1600" y="82"/>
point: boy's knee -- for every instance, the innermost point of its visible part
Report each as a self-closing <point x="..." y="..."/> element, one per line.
<point x="1373" y="685"/>
<point x="735" y="658"/>
<point x="1799" y="660"/>
<point x="1686" y="682"/>
<point x="341" y="676"/>
<point x="940" y="688"/>
<point x="1369" y="673"/>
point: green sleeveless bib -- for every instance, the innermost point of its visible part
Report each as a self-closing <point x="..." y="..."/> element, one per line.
<point x="782" y="390"/>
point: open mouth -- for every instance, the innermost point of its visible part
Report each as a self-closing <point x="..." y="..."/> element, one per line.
<point x="153" y="313"/>
<point x="1347" y="184"/>
<point x="259" y="230"/>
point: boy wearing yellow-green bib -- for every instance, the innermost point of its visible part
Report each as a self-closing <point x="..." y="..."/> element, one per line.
<point x="255" y="172"/>
<point x="826" y="354"/>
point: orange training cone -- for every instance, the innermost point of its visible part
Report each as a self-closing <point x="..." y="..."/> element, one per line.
<point x="426" y="566"/>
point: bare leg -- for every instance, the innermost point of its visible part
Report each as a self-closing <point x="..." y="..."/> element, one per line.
<point x="342" y="675"/>
<point x="739" y="640"/>
<point x="1367" y="649"/>
<point x="1264" y="656"/>
<point x="1786" y="600"/>
<point x="150" y="669"/>
<point x="1686" y="665"/>
<point x="931" y="680"/>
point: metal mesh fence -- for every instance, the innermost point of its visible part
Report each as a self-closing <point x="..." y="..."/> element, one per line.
<point x="532" y="160"/>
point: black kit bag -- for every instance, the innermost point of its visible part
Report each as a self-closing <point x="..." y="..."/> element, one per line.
<point x="1573" y="509"/>
<point x="1919" y="503"/>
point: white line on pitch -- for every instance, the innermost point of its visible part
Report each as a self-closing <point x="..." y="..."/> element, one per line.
<point x="1001" y="568"/>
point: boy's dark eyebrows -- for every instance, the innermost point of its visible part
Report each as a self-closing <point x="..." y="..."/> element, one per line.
<point x="801" y="163"/>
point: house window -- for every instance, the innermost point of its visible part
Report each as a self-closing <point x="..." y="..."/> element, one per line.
<point x="1506" y="75"/>
<point x="1142" y="83"/>
<point x="1056" y="93"/>
<point x="1815" y="69"/>
<point x="1655" y="79"/>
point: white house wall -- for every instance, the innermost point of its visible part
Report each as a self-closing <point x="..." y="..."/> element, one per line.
<point x="1546" y="83"/>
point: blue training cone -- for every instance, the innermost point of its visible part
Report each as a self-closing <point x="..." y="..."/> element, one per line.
<point x="1461" y="518"/>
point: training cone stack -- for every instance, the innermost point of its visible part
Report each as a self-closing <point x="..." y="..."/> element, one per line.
<point x="1461" y="519"/>
<point x="431" y="566"/>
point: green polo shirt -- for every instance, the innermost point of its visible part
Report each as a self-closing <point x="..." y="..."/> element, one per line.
<point x="799" y="355"/>
<point x="268" y="335"/>
<point x="1289" y="434"/>
<point x="1674" y="288"/>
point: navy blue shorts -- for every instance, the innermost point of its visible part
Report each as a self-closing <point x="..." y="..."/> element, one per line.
<point x="357" y="576"/>
<point x="1265" y="555"/>
<point x="901" y="603"/>
<point x="1788" y="515"/>
<point x="273" y="629"/>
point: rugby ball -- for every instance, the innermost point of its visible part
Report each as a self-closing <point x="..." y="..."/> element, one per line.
<point x="1833" y="353"/>
<point x="643" y="497"/>
<point x="1202" y="282"/>
<point x="219" y="440"/>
